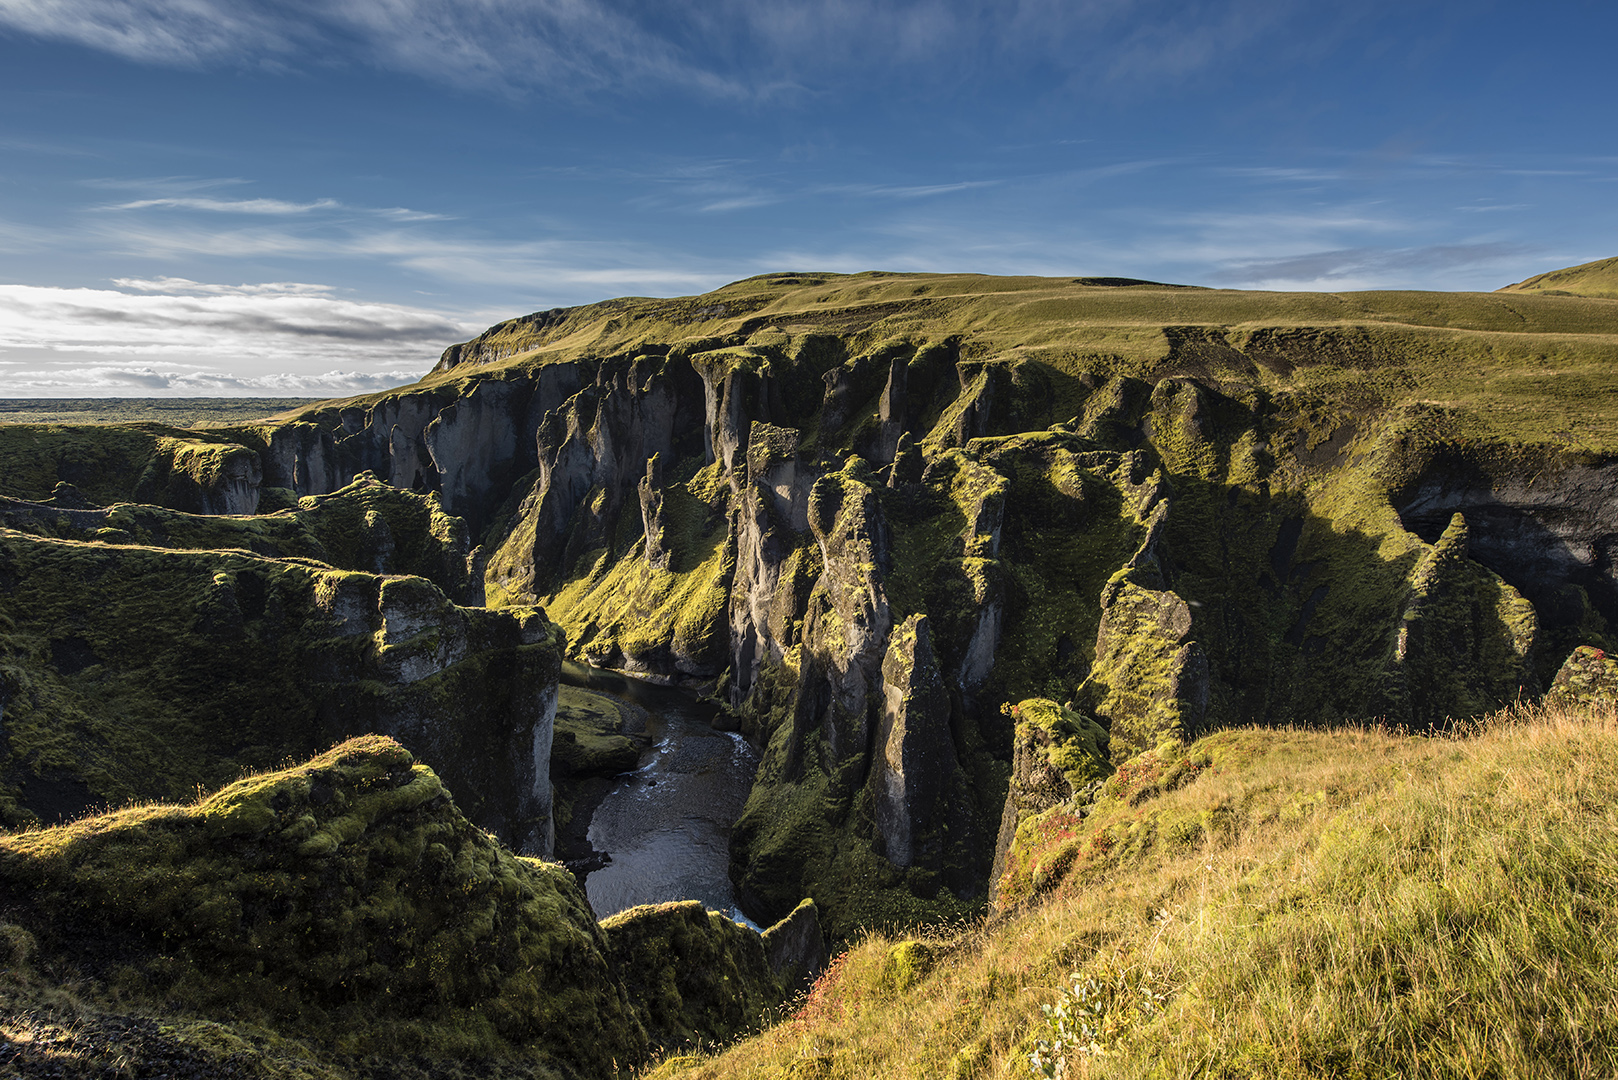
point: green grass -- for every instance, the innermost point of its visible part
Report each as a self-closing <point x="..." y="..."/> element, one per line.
<point x="1598" y="278"/>
<point x="1352" y="903"/>
<point x="1511" y="360"/>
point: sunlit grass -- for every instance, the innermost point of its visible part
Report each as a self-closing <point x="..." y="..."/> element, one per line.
<point x="1362" y="903"/>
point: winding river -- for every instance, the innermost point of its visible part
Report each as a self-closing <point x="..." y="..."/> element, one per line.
<point x="665" y="828"/>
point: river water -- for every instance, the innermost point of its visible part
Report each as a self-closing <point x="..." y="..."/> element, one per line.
<point x="666" y="826"/>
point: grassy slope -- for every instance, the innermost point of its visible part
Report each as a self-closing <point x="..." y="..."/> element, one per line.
<point x="1599" y="278"/>
<point x="1347" y="903"/>
<point x="1511" y="362"/>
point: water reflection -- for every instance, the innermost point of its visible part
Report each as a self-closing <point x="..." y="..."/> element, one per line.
<point x="666" y="826"/>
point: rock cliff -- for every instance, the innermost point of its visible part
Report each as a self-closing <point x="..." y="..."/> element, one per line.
<point x="1171" y="509"/>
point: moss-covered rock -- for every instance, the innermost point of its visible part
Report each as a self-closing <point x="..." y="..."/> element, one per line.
<point x="590" y="739"/>
<point x="692" y="974"/>
<point x="132" y="672"/>
<point x="1588" y="677"/>
<point x="346" y="900"/>
<point x="1061" y="756"/>
<point x="365" y="525"/>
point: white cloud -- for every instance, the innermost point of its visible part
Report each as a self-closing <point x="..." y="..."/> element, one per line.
<point x="108" y="379"/>
<point x="182" y="336"/>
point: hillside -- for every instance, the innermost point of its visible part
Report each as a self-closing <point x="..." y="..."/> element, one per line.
<point x="1297" y="903"/>
<point x="1598" y="278"/>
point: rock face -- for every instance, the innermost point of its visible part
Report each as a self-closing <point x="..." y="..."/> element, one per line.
<point x="1170" y="527"/>
<point x="1058" y="754"/>
<point x="137" y="673"/>
<point x="915" y="757"/>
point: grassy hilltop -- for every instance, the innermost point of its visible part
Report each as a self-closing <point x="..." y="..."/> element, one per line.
<point x="1598" y="278"/>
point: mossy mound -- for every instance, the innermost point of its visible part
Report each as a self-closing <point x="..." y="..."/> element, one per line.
<point x="346" y="900"/>
<point x="1588" y="678"/>
<point x="692" y="974"/>
<point x="589" y="737"/>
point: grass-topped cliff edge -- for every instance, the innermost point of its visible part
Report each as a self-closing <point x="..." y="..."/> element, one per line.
<point x="1345" y="903"/>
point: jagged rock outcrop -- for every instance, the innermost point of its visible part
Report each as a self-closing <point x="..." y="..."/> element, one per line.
<point x="1464" y="641"/>
<point x="914" y="760"/>
<point x="1058" y="754"/>
<point x="796" y="947"/>
<point x="848" y="619"/>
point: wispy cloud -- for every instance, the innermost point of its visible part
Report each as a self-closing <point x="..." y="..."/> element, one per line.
<point x="725" y="48"/>
<point x="227" y="206"/>
<point x="1363" y="268"/>
<point x="173" y="193"/>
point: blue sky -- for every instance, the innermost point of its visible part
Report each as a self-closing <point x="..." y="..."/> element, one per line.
<point x="203" y="197"/>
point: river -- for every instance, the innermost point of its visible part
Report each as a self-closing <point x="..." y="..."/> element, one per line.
<point x="665" y="828"/>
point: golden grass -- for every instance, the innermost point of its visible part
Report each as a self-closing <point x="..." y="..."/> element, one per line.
<point x="1356" y="903"/>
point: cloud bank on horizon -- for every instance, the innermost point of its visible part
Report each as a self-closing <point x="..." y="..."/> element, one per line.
<point x="380" y="178"/>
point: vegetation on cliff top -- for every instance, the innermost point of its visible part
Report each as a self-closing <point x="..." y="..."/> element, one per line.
<point x="1292" y="903"/>
<point x="1599" y="278"/>
<point x="1509" y="361"/>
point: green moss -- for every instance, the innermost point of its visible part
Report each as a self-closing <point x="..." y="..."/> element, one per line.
<point x="1075" y="745"/>
<point x="113" y="463"/>
<point x="906" y="964"/>
<point x="367" y="525"/>
<point x="346" y="900"/>
<point x="136" y="673"/>
<point x="631" y="609"/>
<point x="692" y="975"/>
<point x="588" y="736"/>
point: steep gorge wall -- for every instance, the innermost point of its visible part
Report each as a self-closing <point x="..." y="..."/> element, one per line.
<point x="1181" y="552"/>
<point x="867" y="540"/>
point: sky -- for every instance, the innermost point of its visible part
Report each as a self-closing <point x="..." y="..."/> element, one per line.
<point x="300" y="198"/>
